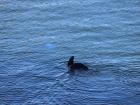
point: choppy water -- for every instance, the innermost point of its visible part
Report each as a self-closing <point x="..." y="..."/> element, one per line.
<point x="38" y="36"/>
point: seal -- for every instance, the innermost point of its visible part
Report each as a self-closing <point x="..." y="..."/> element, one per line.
<point x="75" y="66"/>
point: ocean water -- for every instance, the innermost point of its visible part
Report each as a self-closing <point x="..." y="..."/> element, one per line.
<point x="37" y="37"/>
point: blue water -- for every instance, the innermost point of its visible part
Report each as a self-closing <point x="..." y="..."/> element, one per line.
<point x="37" y="37"/>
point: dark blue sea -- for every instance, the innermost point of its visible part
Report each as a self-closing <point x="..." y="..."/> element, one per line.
<point x="37" y="37"/>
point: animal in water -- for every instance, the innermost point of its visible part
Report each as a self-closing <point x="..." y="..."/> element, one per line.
<point x="75" y="66"/>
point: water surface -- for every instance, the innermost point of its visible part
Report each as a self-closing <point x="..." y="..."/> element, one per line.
<point x="37" y="37"/>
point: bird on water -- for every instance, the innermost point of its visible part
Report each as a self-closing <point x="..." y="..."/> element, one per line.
<point x="75" y="66"/>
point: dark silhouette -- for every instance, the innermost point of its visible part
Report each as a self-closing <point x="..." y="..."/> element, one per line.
<point x="73" y="66"/>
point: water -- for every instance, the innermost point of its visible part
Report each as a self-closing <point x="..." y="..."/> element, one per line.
<point x="37" y="37"/>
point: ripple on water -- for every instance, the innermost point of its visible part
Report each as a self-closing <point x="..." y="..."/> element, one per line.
<point x="38" y="37"/>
